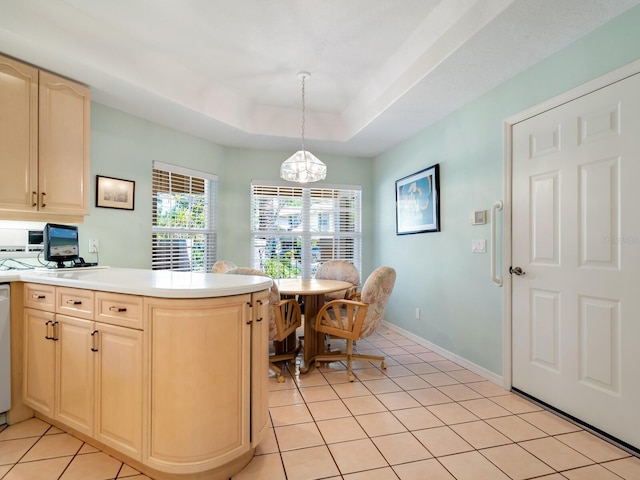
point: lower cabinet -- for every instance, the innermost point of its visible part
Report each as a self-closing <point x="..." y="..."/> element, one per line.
<point x="39" y="361"/>
<point x="260" y="367"/>
<point x="186" y="394"/>
<point x="74" y="374"/>
<point x="208" y="381"/>
<point x="119" y="385"/>
<point x="86" y="375"/>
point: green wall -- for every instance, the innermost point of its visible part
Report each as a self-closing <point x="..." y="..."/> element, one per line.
<point x="124" y="146"/>
<point x="462" y="310"/>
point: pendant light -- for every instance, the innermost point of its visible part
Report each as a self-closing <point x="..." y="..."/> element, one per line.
<point x="303" y="166"/>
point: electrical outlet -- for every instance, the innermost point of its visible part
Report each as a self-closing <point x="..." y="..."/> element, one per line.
<point x="93" y="245"/>
<point x="417" y="314"/>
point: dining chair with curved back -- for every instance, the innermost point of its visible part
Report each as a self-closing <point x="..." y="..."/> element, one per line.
<point x="339" y="270"/>
<point x="356" y="319"/>
<point x="284" y="319"/>
<point x="223" y="266"/>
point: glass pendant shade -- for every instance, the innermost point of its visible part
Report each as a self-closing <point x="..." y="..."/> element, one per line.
<point x="303" y="167"/>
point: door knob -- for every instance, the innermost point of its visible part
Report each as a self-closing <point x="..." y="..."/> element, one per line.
<point x="516" y="271"/>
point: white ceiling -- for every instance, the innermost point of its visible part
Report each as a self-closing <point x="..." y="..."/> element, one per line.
<point x="226" y="70"/>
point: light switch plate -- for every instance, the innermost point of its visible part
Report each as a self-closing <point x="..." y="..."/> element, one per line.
<point x="478" y="246"/>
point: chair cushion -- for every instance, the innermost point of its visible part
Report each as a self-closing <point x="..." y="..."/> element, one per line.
<point x="338" y="270"/>
<point x="376" y="291"/>
<point x="222" y="266"/>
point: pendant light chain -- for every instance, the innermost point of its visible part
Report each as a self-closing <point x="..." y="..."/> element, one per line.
<point x="303" y="111"/>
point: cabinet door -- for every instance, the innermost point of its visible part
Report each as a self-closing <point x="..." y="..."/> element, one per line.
<point x="63" y="167"/>
<point x="119" y="389"/>
<point x="18" y="135"/>
<point x="200" y="382"/>
<point x="74" y="403"/>
<point x="39" y="360"/>
<point x="260" y="366"/>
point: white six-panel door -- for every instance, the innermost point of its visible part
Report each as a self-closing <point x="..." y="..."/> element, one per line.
<point x="576" y="236"/>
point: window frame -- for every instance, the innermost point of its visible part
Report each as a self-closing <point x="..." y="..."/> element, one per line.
<point x="298" y="251"/>
<point x="180" y="250"/>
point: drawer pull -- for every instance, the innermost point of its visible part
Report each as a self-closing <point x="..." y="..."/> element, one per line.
<point x="74" y="302"/>
<point x="37" y="296"/>
<point x="94" y="339"/>
<point x="118" y="309"/>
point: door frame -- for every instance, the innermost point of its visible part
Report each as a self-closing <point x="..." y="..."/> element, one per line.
<point x="566" y="97"/>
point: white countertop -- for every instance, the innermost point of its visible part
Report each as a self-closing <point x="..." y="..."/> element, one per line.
<point x="152" y="283"/>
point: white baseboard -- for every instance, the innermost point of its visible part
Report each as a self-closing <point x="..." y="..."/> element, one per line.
<point x="483" y="372"/>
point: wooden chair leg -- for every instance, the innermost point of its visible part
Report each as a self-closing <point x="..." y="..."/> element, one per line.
<point x="277" y="371"/>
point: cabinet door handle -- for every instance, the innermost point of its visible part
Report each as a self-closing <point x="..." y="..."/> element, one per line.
<point x="37" y="296"/>
<point x="94" y="339"/>
<point x="55" y="331"/>
<point x="34" y="199"/>
<point x="43" y="204"/>
<point x="249" y="322"/>
<point x="48" y="326"/>
<point x="117" y="309"/>
<point x="74" y="302"/>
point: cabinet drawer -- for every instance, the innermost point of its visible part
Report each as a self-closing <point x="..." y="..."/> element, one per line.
<point x="119" y="309"/>
<point x="75" y="302"/>
<point x="40" y="297"/>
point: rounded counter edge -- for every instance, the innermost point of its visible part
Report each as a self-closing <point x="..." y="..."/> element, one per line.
<point x="152" y="283"/>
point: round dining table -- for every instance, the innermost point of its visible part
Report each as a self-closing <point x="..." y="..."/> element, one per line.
<point x="312" y="291"/>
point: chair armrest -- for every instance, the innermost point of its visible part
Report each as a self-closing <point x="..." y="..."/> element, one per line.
<point x="342" y="318"/>
<point x="354" y="294"/>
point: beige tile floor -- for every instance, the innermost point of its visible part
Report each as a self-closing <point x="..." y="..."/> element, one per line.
<point x="424" y="418"/>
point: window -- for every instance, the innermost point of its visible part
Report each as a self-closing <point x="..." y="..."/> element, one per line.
<point x="183" y="224"/>
<point x="294" y="229"/>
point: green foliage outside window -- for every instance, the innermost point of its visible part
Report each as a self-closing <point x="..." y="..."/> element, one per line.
<point x="281" y="268"/>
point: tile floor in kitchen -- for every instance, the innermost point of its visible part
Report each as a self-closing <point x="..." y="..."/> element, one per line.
<point x="425" y="417"/>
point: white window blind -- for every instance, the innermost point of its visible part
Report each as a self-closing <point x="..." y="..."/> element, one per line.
<point x="183" y="224"/>
<point x="294" y="229"/>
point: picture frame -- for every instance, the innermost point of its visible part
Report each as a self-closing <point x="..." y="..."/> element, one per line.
<point x="418" y="202"/>
<point x="115" y="193"/>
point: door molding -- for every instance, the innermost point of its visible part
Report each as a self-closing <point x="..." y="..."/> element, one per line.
<point x="566" y="97"/>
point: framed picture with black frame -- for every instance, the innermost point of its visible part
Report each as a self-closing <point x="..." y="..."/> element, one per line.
<point x="115" y="193"/>
<point x="418" y="202"/>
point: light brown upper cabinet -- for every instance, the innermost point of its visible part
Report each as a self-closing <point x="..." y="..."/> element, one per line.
<point x="44" y="144"/>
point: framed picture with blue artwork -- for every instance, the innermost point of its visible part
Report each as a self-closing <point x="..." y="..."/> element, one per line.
<point x="418" y="202"/>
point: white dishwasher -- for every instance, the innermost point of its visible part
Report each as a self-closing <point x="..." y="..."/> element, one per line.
<point x="5" y="350"/>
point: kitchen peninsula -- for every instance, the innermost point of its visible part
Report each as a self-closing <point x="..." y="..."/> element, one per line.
<point x="166" y="371"/>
